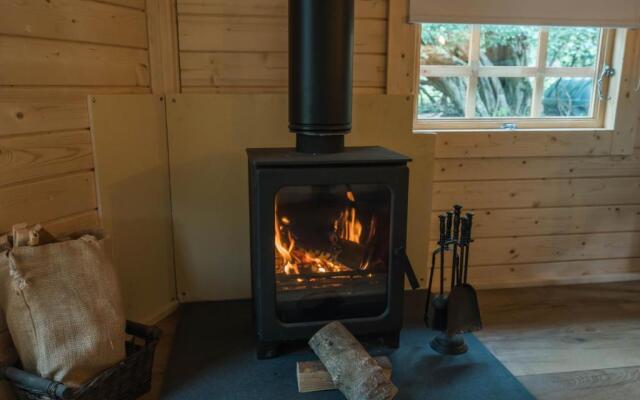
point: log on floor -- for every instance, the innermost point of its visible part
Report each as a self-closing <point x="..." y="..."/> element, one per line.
<point x="314" y="377"/>
<point x="352" y="369"/>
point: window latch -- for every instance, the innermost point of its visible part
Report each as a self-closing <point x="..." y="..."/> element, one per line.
<point x="510" y="126"/>
<point x="607" y="72"/>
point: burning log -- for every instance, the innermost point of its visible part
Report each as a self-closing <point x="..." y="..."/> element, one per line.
<point x="350" y="253"/>
<point x="353" y="371"/>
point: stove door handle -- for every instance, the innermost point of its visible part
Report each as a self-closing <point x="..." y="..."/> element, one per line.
<point x="402" y="261"/>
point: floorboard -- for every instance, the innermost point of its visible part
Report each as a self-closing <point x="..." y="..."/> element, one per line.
<point x="168" y="327"/>
<point x="599" y="384"/>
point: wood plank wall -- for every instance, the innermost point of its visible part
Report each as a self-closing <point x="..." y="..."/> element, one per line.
<point x="240" y="46"/>
<point x="546" y="220"/>
<point x="52" y="55"/>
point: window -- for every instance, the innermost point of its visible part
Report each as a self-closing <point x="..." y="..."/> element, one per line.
<point x="508" y="76"/>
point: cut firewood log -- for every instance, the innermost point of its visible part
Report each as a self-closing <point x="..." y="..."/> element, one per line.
<point x="5" y="243"/>
<point x="314" y="377"/>
<point x="16" y="227"/>
<point x="39" y="236"/>
<point x="21" y="237"/>
<point x="352" y="370"/>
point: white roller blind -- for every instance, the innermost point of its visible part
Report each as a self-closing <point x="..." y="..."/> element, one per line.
<point x="603" y="13"/>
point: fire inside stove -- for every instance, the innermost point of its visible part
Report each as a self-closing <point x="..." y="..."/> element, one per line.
<point x="331" y="248"/>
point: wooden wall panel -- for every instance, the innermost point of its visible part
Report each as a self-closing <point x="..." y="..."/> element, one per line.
<point x="268" y="69"/>
<point x="516" y="144"/>
<point x="402" y="51"/>
<point x="38" y="109"/>
<point x="27" y="157"/>
<point x="47" y="199"/>
<point x="29" y="62"/>
<point x="137" y="4"/>
<point x="544" y="220"/>
<point x="132" y="172"/>
<point x="553" y="248"/>
<point x="245" y="33"/>
<point x="241" y="46"/>
<point x="552" y="273"/>
<point x="65" y="226"/>
<point x="52" y="55"/>
<point x="469" y="169"/>
<point x="74" y="20"/>
<point x="264" y="90"/>
<point x="363" y="8"/>
<point x="537" y="193"/>
<point x="163" y="46"/>
<point x="552" y="221"/>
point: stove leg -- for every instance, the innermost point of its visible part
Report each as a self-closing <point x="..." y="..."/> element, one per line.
<point x="267" y="350"/>
<point x="392" y="339"/>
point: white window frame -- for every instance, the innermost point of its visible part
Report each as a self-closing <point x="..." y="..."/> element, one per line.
<point x="610" y="38"/>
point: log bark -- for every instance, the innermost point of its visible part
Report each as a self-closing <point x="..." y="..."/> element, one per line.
<point x="353" y="371"/>
<point x="314" y="377"/>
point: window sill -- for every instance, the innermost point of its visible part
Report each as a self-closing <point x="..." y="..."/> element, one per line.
<point x="589" y="131"/>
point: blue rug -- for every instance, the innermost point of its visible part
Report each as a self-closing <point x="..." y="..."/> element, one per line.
<point x="213" y="357"/>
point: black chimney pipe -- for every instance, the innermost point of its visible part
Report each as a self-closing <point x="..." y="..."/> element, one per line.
<point x="320" y="73"/>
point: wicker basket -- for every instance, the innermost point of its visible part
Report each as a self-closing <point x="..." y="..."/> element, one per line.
<point x="127" y="380"/>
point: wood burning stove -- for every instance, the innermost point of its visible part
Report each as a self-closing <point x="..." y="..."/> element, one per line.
<point x="328" y="224"/>
<point x="328" y="236"/>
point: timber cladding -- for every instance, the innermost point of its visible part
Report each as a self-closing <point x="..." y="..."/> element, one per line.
<point x="231" y="46"/>
<point x="542" y="218"/>
<point x="52" y="55"/>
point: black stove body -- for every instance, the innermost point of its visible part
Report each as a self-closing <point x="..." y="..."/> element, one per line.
<point x="328" y="236"/>
<point x="328" y="223"/>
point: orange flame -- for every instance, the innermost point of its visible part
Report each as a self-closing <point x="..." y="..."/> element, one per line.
<point x="347" y="226"/>
<point x="351" y="197"/>
<point x="291" y="259"/>
<point x="283" y="249"/>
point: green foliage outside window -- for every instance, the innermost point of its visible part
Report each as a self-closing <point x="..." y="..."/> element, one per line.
<point x="506" y="45"/>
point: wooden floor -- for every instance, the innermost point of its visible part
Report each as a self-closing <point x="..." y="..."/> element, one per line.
<point x="572" y="342"/>
<point x="569" y="342"/>
<point x="168" y="326"/>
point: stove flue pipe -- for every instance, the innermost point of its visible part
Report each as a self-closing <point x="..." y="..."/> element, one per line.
<point x="320" y="73"/>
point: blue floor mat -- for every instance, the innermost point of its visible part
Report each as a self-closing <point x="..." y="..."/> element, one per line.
<point x="214" y="357"/>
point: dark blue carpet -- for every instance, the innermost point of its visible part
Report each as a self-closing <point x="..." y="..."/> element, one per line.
<point x="213" y="357"/>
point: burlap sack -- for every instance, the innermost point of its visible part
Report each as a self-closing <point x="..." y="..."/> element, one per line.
<point x="63" y="309"/>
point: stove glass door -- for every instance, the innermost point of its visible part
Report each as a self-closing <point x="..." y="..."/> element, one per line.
<point x="332" y="245"/>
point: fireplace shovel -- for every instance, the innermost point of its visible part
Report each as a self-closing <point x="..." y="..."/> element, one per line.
<point x="463" y="312"/>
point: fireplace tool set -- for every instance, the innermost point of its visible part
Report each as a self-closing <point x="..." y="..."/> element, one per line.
<point x="457" y="311"/>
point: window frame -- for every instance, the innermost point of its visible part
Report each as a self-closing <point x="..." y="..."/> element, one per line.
<point x="608" y="41"/>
